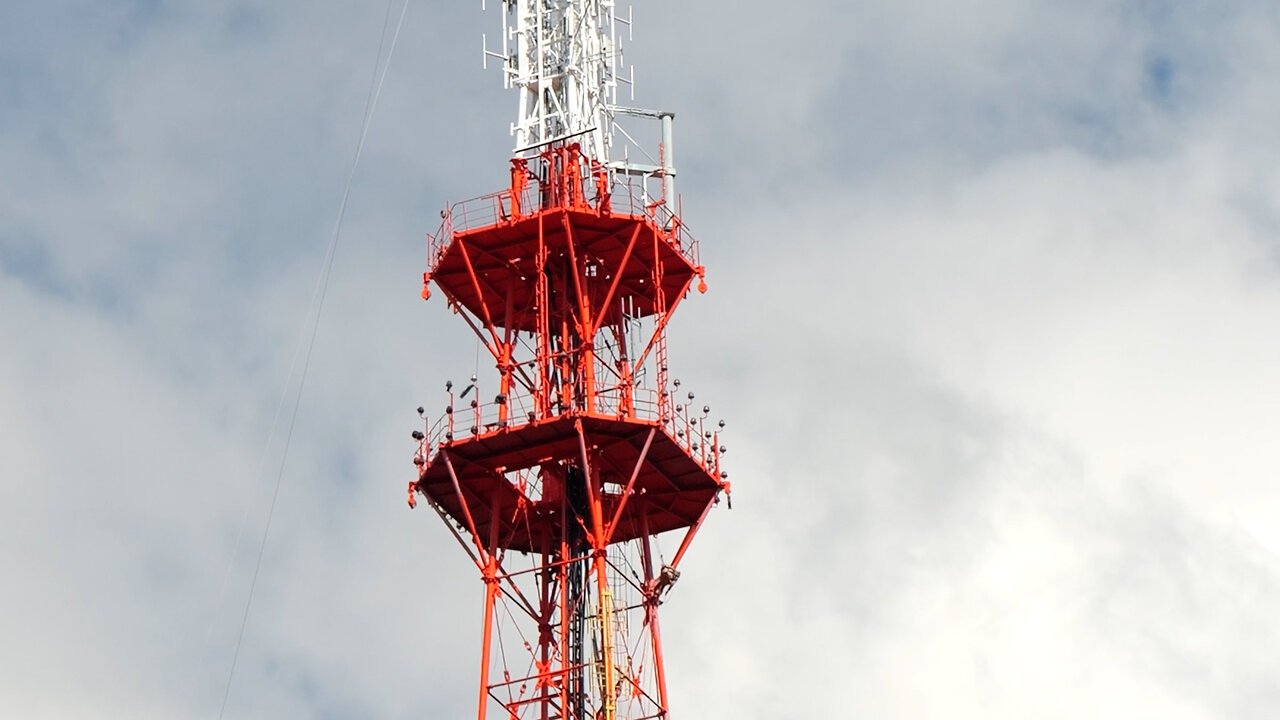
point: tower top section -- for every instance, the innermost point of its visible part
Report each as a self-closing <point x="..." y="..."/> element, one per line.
<point x="564" y="59"/>
<point x="588" y="451"/>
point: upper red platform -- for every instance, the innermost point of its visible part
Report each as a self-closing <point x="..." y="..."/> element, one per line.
<point x="485" y="256"/>
<point x="491" y="270"/>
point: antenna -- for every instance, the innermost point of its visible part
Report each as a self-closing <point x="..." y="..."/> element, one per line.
<point x="564" y="58"/>
<point x="564" y="66"/>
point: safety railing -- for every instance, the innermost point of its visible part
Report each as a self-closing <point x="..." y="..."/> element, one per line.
<point x="466" y="417"/>
<point x="627" y="198"/>
<point x="696" y="434"/>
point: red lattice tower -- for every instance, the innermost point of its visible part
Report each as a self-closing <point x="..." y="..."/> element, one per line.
<point x="560" y="478"/>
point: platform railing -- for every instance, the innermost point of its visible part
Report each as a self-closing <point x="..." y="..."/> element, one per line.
<point x="466" y="417"/>
<point x="696" y="434"/>
<point x="627" y="198"/>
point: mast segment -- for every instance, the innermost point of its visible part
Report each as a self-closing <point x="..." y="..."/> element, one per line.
<point x="562" y="58"/>
<point x="565" y="60"/>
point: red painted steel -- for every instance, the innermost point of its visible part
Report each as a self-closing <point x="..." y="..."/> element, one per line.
<point x="560" y="486"/>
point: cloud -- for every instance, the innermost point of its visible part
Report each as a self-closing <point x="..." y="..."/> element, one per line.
<point x="991" y="310"/>
<point x="1016" y="428"/>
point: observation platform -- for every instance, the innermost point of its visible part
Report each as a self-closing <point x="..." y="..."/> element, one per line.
<point x="486" y="253"/>
<point x="672" y="488"/>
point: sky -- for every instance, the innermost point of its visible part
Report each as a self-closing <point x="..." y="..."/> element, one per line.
<point x="993" y="321"/>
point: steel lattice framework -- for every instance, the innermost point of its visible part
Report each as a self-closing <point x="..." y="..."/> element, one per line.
<point x="559" y="487"/>
<point x="563" y="57"/>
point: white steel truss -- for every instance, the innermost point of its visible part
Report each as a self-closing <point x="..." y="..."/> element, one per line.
<point x="564" y="58"/>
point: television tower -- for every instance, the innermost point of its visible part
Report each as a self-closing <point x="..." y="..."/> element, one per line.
<point x="561" y="475"/>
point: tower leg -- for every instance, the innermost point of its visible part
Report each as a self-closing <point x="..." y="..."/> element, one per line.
<point x="490" y="596"/>
<point x="608" y="690"/>
<point x="651" y="613"/>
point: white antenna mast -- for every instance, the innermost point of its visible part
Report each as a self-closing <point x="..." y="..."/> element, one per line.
<point x="563" y="58"/>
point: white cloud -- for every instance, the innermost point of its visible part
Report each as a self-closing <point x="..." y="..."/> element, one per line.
<point x="999" y="284"/>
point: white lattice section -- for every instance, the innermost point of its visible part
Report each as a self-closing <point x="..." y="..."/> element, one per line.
<point x="563" y="58"/>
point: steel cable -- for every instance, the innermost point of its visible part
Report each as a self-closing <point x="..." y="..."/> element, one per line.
<point x="317" y="302"/>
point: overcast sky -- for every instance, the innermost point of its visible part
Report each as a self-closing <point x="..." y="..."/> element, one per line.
<point x="994" y="320"/>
